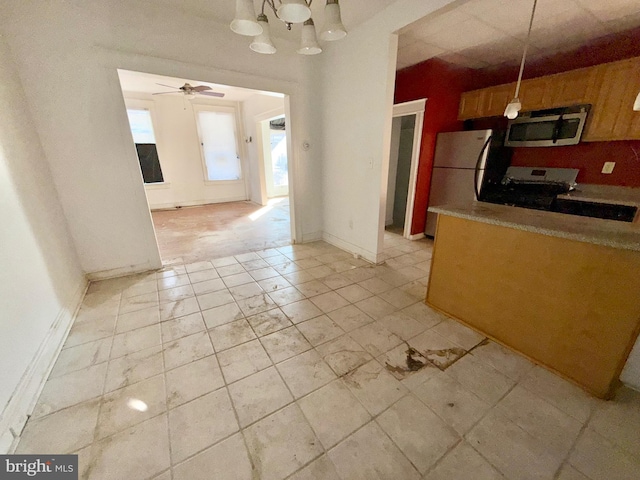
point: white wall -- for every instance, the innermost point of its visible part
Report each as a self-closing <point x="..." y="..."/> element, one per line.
<point x="67" y="53"/>
<point x="393" y="168"/>
<point x="257" y="106"/>
<point x="178" y="144"/>
<point x="357" y="77"/>
<point x="41" y="282"/>
<point x="631" y="373"/>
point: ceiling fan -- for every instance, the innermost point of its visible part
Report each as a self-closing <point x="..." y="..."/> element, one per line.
<point x="190" y="91"/>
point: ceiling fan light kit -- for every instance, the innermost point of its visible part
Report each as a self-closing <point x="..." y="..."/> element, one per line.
<point x="190" y="92"/>
<point x="290" y="12"/>
<point x="514" y="106"/>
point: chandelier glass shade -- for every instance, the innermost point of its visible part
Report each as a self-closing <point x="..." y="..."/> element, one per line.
<point x="262" y="43"/>
<point x="333" y="28"/>
<point x="246" y="22"/>
<point x="294" y="11"/>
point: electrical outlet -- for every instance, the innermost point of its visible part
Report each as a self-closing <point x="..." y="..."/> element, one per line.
<point x="608" y="167"/>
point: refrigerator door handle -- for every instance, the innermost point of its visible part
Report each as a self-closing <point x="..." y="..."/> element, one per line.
<point x="477" y="169"/>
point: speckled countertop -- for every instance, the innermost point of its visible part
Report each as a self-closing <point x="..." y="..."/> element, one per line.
<point x="610" y="233"/>
<point x="605" y="194"/>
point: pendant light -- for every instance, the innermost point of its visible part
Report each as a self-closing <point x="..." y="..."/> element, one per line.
<point x="245" y="22"/>
<point x="636" y="104"/>
<point x="262" y="43"/>
<point x="514" y="105"/>
<point x="333" y="28"/>
<point x="294" y="11"/>
<point x="309" y="45"/>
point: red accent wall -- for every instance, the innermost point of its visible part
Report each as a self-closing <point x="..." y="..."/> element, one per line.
<point x="442" y="84"/>
<point x="589" y="158"/>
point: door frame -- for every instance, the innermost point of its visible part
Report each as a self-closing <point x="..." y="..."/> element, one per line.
<point x="414" y="107"/>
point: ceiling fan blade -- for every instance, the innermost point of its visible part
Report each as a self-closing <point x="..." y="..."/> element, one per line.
<point x="170" y="86"/>
<point x="163" y="93"/>
<point x="201" y="88"/>
<point x="212" y="94"/>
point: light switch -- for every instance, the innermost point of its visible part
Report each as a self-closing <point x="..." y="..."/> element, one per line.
<point x="608" y="167"/>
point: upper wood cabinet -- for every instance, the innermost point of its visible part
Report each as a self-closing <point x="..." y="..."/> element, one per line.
<point x="571" y="88"/>
<point x="534" y="93"/>
<point x="611" y="116"/>
<point x="610" y="88"/>
<point x="472" y="104"/>
<point x="496" y="99"/>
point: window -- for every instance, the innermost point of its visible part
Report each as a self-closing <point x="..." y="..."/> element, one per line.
<point x="219" y="145"/>
<point x="145" y="140"/>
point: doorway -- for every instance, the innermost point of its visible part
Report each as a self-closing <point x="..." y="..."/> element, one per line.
<point x="202" y="172"/>
<point x="406" y="137"/>
<point x="274" y="153"/>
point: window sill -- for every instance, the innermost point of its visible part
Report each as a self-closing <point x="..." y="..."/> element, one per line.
<point x="157" y="186"/>
<point x="212" y="183"/>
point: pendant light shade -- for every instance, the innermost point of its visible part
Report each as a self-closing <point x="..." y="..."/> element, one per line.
<point x="262" y="43"/>
<point x="514" y="106"/>
<point x="636" y="104"/>
<point x="309" y="45"/>
<point x="333" y="28"/>
<point x="294" y="11"/>
<point x="245" y="21"/>
<point x="513" y="109"/>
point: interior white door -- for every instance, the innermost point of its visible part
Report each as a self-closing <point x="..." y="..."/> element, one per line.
<point x="219" y="145"/>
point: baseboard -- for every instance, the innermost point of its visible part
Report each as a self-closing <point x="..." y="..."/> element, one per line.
<point x="26" y="394"/>
<point x="122" y="271"/>
<point x="197" y="203"/>
<point x="349" y="247"/>
<point x="417" y="236"/>
<point x="311" y="237"/>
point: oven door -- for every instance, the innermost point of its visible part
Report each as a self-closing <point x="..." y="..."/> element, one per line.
<point x="546" y="131"/>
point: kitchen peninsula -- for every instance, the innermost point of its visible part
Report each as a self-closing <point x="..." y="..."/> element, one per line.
<point x="560" y="289"/>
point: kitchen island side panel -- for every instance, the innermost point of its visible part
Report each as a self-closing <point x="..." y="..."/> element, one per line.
<point x="568" y="305"/>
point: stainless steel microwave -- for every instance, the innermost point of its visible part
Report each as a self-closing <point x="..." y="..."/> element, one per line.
<point x="547" y="128"/>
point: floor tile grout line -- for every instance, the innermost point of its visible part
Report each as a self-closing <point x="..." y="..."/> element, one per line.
<point x="166" y="398"/>
<point x="574" y="444"/>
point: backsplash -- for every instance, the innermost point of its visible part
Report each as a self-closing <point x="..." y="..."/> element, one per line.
<point x="589" y="158"/>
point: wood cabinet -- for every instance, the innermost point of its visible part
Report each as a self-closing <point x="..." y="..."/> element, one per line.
<point x="571" y="88"/>
<point x="534" y="93"/>
<point x="472" y="104"/>
<point x="612" y="117"/>
<point x="496" y="99"/>
<point x="610" y="88"/>
<point x="568" y="305"/>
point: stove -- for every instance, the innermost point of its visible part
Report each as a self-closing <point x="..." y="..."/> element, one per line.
<point x="529" y="187"/>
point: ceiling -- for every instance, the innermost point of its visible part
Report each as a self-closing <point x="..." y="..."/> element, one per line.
<point x="488" y="33"/>
<point x="138" y="82"/>
<point x="354" y="12"/>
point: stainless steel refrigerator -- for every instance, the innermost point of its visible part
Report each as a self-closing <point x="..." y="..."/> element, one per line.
<point x="454" y="168"/>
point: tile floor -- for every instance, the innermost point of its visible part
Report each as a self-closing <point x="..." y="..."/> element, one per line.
<point x="292" y="363"/>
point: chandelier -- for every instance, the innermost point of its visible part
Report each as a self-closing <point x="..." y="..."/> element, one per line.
<point x="289" y="11"/>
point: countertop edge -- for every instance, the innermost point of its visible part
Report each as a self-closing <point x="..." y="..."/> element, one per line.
<point x="587" y="237"/>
